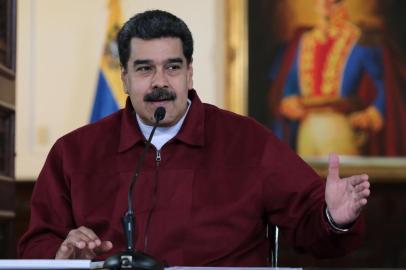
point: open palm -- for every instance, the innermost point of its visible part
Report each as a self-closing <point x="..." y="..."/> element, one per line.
<point x="345" y="197"/>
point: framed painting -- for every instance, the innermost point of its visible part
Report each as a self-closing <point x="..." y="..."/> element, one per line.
<point x="325" y="76"/>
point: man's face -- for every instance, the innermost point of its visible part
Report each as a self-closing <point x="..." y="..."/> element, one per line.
<point x="158" y="75"/>
<point x="326" y="7"/>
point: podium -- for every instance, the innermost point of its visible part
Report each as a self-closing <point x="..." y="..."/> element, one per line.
<point x="48" y="264"/>
<point x="87" y="264"/>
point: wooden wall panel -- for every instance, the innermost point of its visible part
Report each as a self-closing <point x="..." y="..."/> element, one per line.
<point x="7" y="127"/>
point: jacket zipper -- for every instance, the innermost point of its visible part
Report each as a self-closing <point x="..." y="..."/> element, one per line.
<point x="158" y="159"/>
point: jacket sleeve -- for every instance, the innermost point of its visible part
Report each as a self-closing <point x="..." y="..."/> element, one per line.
<point x="294" y="199"/>
<point x="51" y="212"/>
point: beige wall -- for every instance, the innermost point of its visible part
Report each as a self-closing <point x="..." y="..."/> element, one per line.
<point x="59" y="44"/>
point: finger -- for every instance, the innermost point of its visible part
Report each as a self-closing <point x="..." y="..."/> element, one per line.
<point x="79" y="239"/>
<point x="362" y="186"/>
<point x="89" y="233"/>
<point x="358" y="179"/>
<point x="94" y="240"/>
<point x="333" y="166"/>
<point x="360" y="204"/>
<point x="104" y="247"/>
<point x="88" y="254"/>
<point x="65" y="251"/>
<point x="360" y="199"/>
<point x="363" y="194"/>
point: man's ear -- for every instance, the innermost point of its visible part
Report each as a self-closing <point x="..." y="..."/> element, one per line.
<point x="124" y="79"/>
<point x="190" y="76"/>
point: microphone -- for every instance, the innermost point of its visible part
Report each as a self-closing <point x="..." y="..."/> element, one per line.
<point x="159" y="114"/>
<point x="132" y="259"/>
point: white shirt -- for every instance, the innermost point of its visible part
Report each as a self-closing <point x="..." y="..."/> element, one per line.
<point x="162" y="134"/>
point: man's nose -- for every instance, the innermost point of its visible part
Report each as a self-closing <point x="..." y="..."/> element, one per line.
<point x="159" y="79"/>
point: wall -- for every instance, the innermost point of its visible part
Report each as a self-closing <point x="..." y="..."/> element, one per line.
<point x="59" y="44"/>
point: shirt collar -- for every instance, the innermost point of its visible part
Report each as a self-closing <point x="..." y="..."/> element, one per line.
<point x="191" y="132"/>
<point x="162" y="134"/>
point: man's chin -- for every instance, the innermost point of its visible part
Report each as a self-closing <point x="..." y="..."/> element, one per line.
<point x="167" y="122"/>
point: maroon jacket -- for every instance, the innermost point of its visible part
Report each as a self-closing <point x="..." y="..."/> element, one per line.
<point x="218" y="182"/>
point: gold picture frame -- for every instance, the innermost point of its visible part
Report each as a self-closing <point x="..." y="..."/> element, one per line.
<point x="236" y="53"/>
<point x="386" y="169"/>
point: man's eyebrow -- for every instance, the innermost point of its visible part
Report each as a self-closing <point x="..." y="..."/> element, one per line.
<point x="175" y="60"/>
<point x="148" y="62"/>
<point x="141" y="62"/>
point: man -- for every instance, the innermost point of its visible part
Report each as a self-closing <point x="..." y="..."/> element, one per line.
<point x="207" y="190"/>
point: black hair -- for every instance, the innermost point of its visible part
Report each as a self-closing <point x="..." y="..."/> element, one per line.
<point x="153" y="24"/>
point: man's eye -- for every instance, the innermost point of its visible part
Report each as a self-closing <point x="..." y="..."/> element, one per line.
<point x="174" y="67"/>
<point x="143" y="68"/>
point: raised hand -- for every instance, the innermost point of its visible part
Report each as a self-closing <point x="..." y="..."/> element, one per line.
<point x="345" y="197"/>
<point x="82" y="243"/>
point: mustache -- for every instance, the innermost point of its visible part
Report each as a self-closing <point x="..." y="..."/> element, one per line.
<point x="160" y="94"/>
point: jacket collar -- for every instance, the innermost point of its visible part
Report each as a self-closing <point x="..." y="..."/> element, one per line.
<point x="191" y="132"/>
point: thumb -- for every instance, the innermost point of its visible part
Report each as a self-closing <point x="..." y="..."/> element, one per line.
<point x="65" y="251"/>
<point x="333" y="166"/>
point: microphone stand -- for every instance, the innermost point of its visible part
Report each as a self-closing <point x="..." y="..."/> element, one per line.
<point x="131" y="258"/>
